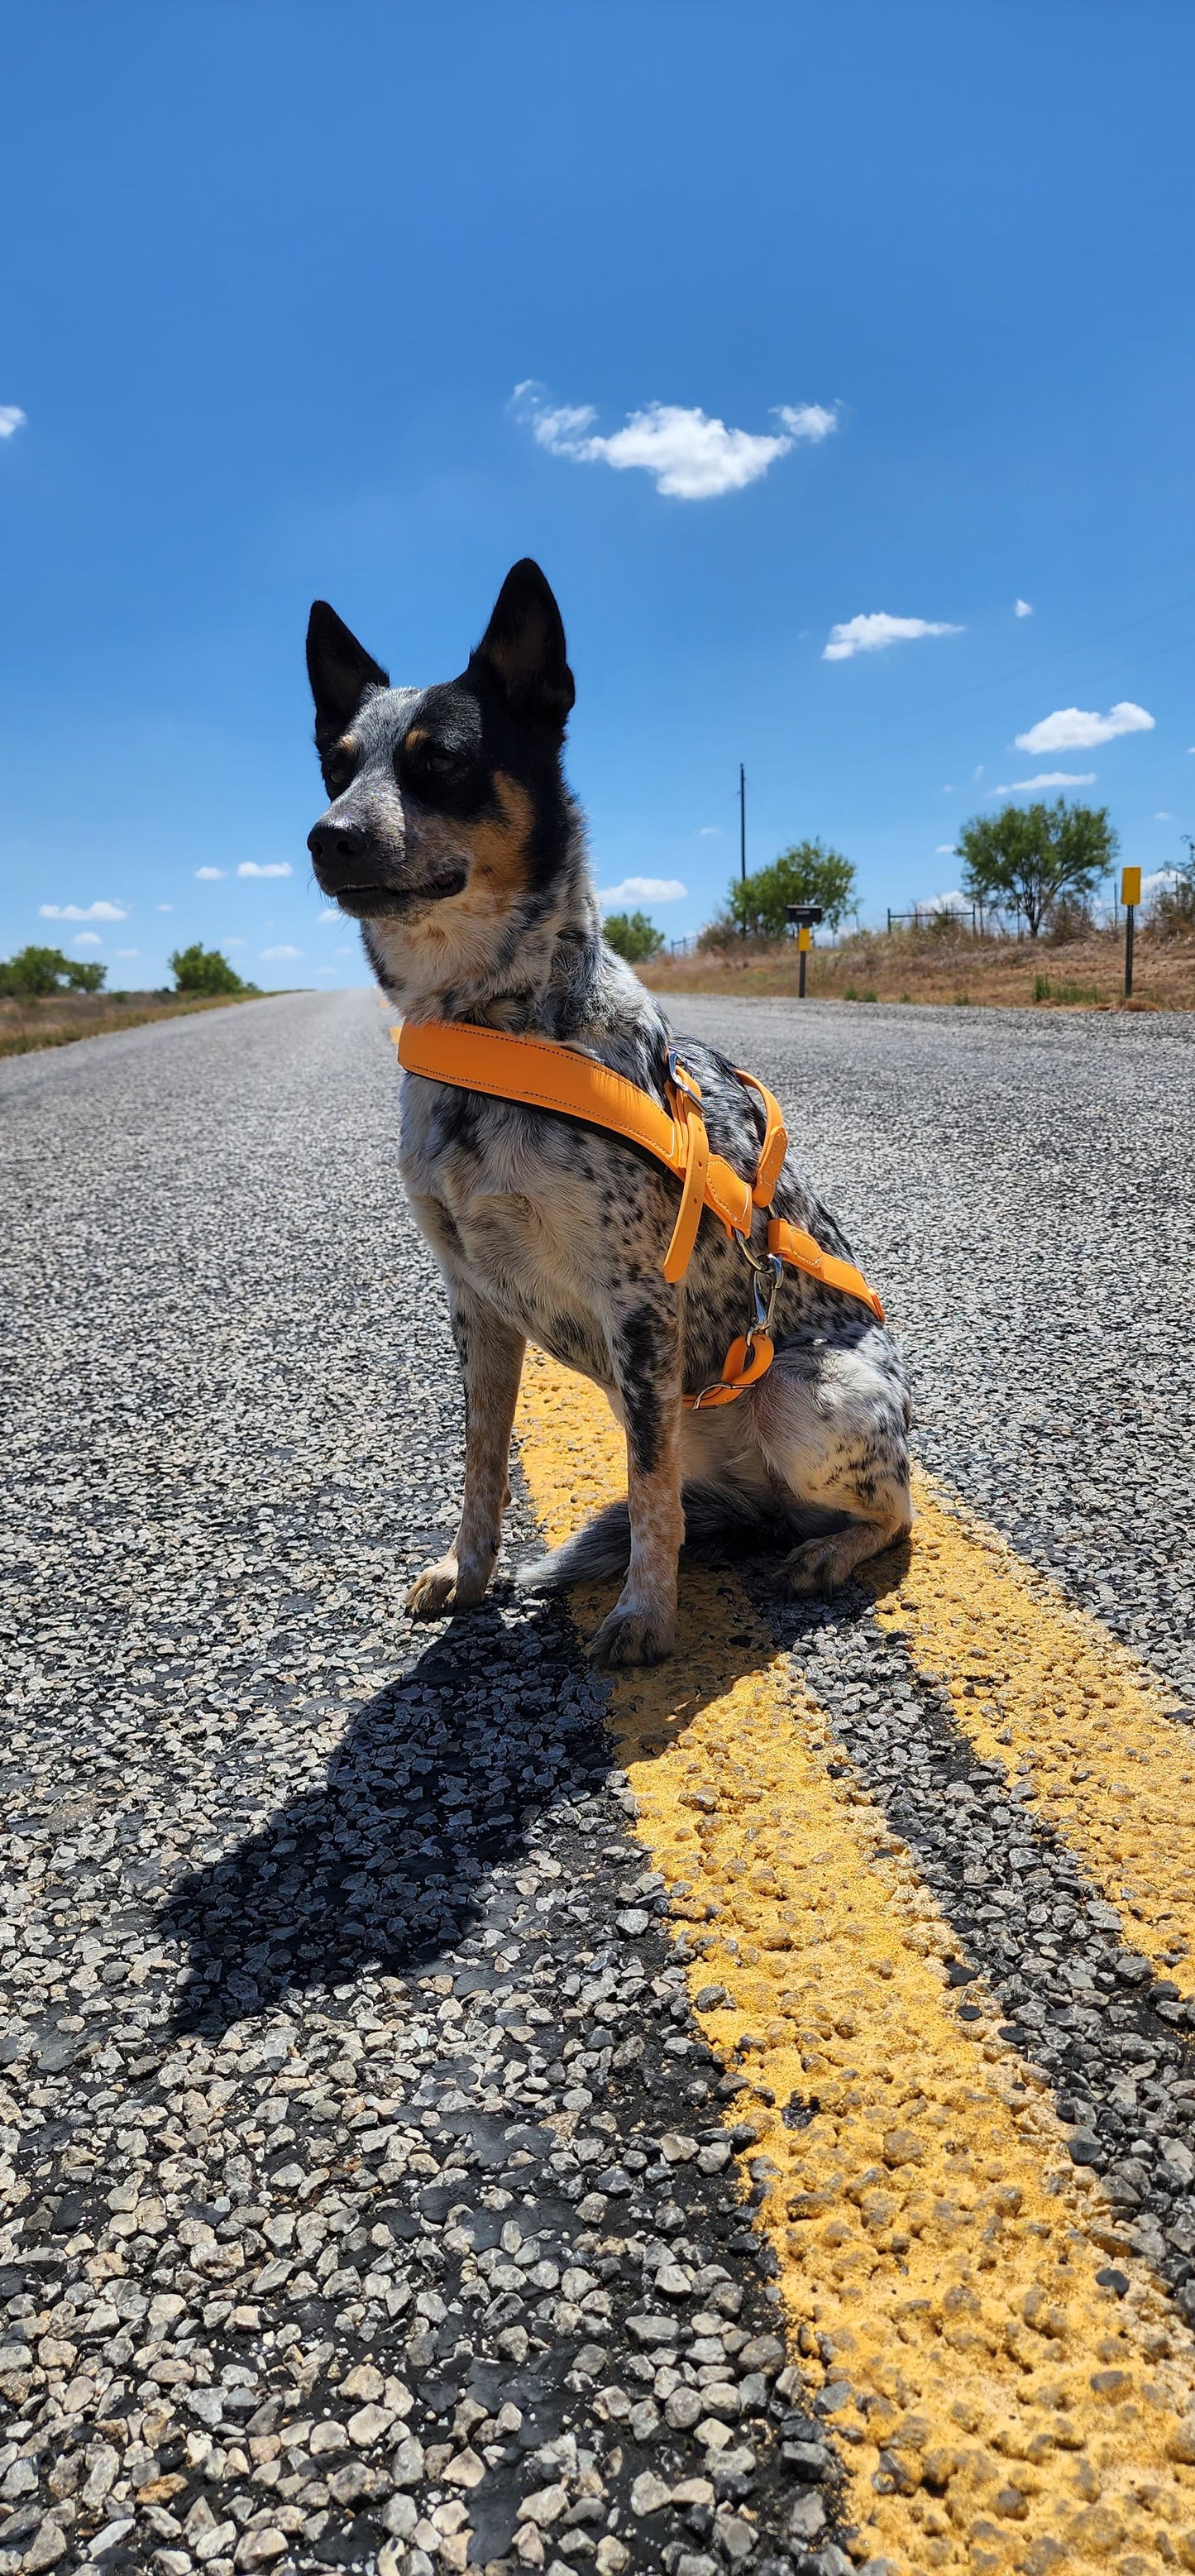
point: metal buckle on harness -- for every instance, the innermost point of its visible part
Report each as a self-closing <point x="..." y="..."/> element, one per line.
<point x="769" y="1270"/>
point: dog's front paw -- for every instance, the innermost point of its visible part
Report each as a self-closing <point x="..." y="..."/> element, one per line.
<point x="446" y="1586"/>
<point x="633" y="1635"/>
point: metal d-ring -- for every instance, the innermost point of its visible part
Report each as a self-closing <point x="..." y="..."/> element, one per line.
<point x="769" y="1267"/>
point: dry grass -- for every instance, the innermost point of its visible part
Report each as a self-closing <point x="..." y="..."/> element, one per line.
<point x="60" y="1018"/>
<point x="950" y="966"/>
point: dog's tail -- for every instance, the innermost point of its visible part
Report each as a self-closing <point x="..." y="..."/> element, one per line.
<point x="604" y="1546"/>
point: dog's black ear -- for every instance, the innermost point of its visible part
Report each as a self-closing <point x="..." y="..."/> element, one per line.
<point x="340" y="671"/>
<point x="523" y="646"/>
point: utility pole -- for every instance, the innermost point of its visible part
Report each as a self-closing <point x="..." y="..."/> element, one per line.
<point x="743" y="836"/>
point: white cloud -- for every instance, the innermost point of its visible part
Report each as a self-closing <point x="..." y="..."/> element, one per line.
<point x="1047" y="778"/>
<point x="165" y="907"/>
<point x="325" y="970"/>
<point x="1078" y="729"/>
<point x="333" y="913"/>
<point x="276" y="954"/>
<point x="1022" y="608"/>
<point x="1163" y="818"/>
<point x="952" y="902"/>
<point x="710" y="832"/>
<point x="235" y="943"/>
<point x="88" y="939"/>
<point x="808" y="420"/>
<point x="644" y="890"/>
<point x="11" y="417"/>
<point x="875" y="633"/>
<point x="211" y="873"/>
<point x="945" y="850"/>
<point x="272" y="868"/>
<point x="126" y="952"/>
<point x="82" y="912"/>
<point x="345" y="952"/>
<point x="690" y="456"/>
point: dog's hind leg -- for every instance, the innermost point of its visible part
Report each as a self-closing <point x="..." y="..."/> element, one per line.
<point x="491" y="1357"/>
<point x="831" y="1422"/>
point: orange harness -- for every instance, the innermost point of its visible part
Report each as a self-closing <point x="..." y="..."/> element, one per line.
<point x="541" y="1075"/>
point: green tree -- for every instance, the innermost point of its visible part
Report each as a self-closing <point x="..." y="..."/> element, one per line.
<point x="35" y="971"/>
<point x="632" y="935"/>
<point x="806" y="873"/>
<point x="204" y="970"/>
<point x="85" y="978"/>
<point x="1028" y="857"/>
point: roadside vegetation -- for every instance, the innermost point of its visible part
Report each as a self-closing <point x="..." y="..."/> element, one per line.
<point x="48" y="999"/>
<point x="1030" y="877"/>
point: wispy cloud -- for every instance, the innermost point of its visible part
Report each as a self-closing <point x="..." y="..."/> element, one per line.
<point x="1046" y="778"/>
<point x="875" y="633"/>
<point x="272" y="868"/>
<point x="276" y="955"/>
<point x="209" y="873"/>
<point x="690" y="455"/>
<point x="1080" y="729"/>
<point x="11" y="417"/>
<point x="83" y="912"/>
<point x="333" y="913"/>
<point x="945" y="850"/>
<point x="165" y="907"/>
<point x="710" y="832"/>
<point x="1163" y="818"/>
<point x="644" y="890"/>
<point x="88" y="939"/>
<point x="126" y="952"/>
<point x="1022" y="608"/>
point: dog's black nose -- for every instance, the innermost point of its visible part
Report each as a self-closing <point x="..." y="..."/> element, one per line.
<point x="336" y="845"/>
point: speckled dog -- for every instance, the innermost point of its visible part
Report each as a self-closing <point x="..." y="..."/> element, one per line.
<point x="452" y="837"/>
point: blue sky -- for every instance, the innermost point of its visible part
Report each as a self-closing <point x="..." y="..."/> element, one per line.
<point x="273" y="273"/>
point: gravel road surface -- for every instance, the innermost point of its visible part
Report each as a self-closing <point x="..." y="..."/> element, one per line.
<point x="373" y="2196"/>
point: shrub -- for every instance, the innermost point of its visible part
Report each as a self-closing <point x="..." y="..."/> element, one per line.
<point x="632" y="935"/>
<point x="35" y="972"/>
<point x="204" y="970"/>
<point x="807" y="873"/>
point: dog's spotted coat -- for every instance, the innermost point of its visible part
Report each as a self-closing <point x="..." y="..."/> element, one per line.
<point x="452" y="837"/>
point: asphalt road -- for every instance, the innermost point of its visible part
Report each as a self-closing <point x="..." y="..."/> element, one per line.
<point x="1022" y="1185"/>
<point x="373" y="2195"/>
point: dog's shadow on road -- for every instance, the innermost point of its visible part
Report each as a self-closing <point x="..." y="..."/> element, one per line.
<point x="385" y="1862"/>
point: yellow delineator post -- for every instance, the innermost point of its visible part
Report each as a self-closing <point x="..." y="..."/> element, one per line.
<point x="804" y="944"/>
<point x="1130" y="896"/>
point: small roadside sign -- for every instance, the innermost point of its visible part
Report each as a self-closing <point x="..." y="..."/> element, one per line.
<point x="1130" y="885"/>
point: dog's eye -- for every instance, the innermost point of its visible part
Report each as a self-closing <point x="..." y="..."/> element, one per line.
<point x="338" y="774"/>
<point x="431" y="760"/>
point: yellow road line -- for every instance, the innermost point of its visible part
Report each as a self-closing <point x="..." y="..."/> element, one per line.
<point x="1044" y="1689"/>
<point x="938" y="2251"/>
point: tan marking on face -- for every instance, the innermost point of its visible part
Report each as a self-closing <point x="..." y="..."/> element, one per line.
<point x="415" y="734"/>
<point x="500" y="848"/>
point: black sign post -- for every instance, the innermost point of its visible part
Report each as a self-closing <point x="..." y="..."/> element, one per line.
<point x="802" y="917"/>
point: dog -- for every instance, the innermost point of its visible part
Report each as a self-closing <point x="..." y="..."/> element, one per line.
<point x="451" y="836"/>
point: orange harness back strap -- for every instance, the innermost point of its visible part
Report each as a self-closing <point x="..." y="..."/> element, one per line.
<point x="538" y="1074"/>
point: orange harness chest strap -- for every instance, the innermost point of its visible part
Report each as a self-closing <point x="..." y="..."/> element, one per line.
<point x="536" y="1073"/>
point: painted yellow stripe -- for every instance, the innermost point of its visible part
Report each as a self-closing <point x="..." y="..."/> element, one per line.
<point x="938" y="2251"/>
<point x="1044" y="1689"/>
